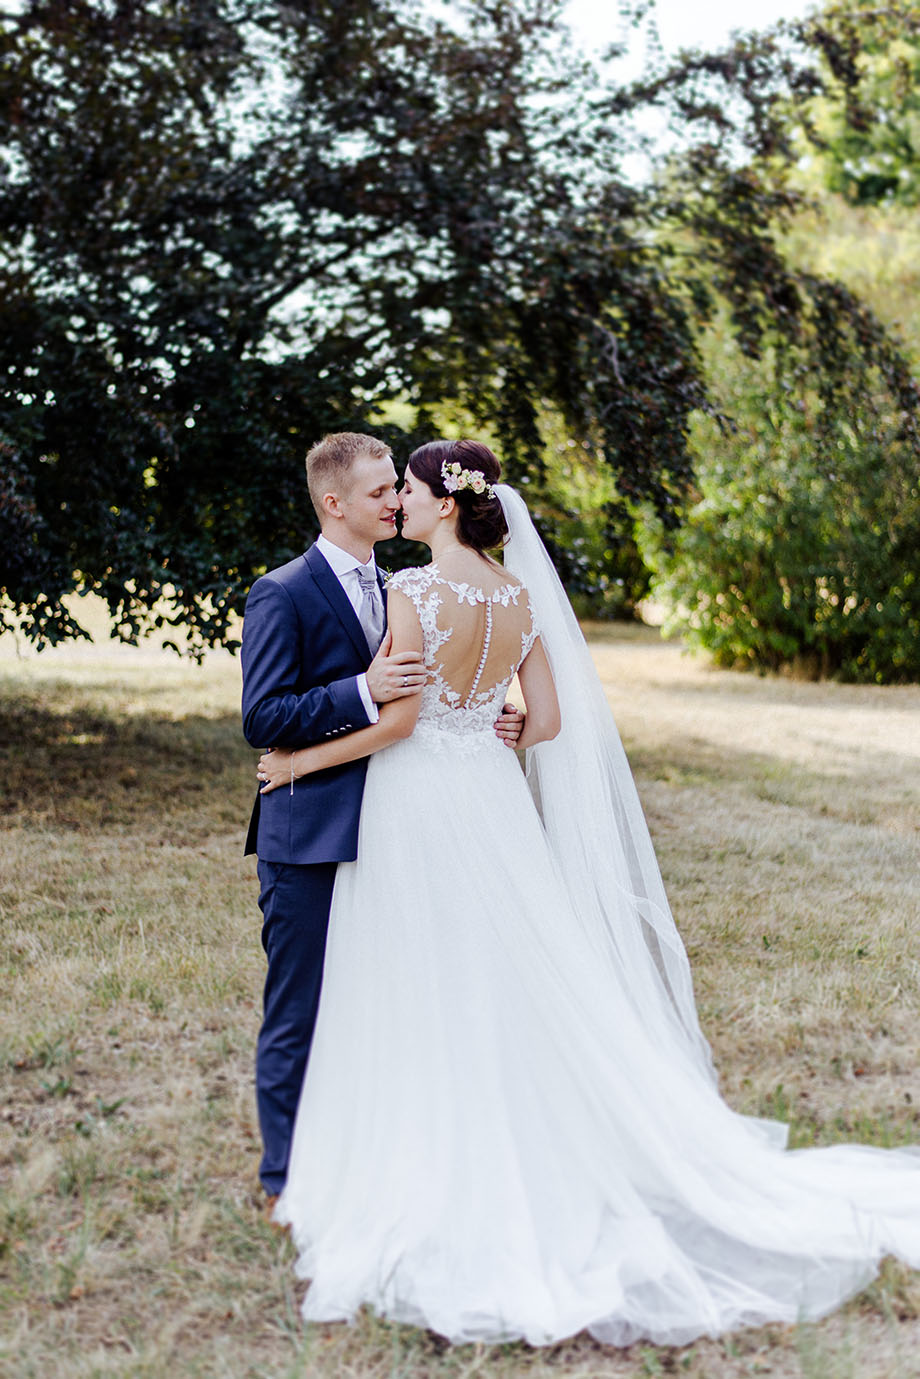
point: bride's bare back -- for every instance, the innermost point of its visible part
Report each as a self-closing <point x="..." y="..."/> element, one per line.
<point x="477" y="627"/>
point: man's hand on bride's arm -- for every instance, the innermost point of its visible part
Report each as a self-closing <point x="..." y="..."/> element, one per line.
<point x="394" y="676"/>
<point x="397" y="716"/>
<point x="509" y="724"/>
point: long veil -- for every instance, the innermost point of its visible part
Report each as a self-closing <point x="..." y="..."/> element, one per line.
<point x="584" y="790"/>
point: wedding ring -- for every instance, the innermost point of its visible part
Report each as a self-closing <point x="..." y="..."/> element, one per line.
<point x="405" y="681"/>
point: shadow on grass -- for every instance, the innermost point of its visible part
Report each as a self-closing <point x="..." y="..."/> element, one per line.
<point x="70" y="758"/>
<point x="72" y="763"/>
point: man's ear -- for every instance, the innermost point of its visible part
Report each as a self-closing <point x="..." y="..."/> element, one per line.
<point x="331" y="507"/>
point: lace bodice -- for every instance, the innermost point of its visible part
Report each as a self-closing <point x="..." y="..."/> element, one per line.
<point x="473" y="641"/>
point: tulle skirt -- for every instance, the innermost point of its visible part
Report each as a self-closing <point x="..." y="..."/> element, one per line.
<point x="490" y="1144"/>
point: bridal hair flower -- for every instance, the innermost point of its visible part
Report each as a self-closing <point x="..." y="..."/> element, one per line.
<point x="456" y="478"/>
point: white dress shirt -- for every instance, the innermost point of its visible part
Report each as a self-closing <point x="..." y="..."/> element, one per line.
<point x="345" y="568"/>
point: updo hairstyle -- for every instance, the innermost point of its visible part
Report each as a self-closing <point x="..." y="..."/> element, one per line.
<point x="480" y="521"/>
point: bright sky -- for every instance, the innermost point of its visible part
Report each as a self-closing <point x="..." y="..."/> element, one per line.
<point x="706" y="24"/>
<point x="683" y="24"/>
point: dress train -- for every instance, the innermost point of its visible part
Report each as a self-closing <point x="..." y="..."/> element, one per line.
<point x="509" y="1126"/>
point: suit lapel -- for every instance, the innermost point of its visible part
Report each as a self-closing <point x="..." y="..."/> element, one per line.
<point x="329" y="586"/>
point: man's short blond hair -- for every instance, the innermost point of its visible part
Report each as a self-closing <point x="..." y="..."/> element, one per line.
<point x="330" y="460"/>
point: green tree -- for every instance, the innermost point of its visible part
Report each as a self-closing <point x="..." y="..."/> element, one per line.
<point x="800" y="545"/>
<point x="799" y="537"/>
<point x="866" y="126"/>
<point x="227" y="226"/>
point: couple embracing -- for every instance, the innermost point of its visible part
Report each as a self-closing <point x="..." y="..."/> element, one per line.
<point x="484" y="1096"/>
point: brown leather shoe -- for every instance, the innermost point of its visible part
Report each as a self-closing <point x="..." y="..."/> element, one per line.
<point x="268" y="1210"/>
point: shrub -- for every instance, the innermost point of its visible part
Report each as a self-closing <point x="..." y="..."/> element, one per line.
<point x="802" y="547"/>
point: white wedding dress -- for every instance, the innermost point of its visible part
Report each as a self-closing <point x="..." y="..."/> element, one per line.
<point x="509" y="1126"/>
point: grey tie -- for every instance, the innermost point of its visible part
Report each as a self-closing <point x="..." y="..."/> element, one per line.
<point x="370" y="611"/>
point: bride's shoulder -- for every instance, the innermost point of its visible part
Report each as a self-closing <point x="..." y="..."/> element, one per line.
<point x="413" y="579"/>
<point x="507" y="587"/>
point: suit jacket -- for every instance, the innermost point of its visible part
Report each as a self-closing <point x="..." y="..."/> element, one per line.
<point x="302" y="648"/>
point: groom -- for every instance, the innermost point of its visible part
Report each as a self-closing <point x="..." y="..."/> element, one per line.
<point x="316" y="663"/>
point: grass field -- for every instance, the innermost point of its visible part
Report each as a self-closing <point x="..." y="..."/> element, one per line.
<point x="787" y="818"/>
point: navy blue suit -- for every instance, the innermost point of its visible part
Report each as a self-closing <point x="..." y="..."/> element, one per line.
<point x="302" y="648"/>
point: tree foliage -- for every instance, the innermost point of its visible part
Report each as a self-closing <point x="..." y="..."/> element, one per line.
<point x="227" y="226"/>
<point x="800" y="547"/>
<point x="799" y="541"/>
<point x="866" y="127"/>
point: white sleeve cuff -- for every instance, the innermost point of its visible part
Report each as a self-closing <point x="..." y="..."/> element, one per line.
<point x="370" y="708"/>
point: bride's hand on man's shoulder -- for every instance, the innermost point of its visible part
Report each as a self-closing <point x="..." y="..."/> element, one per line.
<point x="509" y="724"/>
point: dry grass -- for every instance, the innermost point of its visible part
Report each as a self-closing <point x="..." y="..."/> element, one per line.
<point x="131" y="1241"/>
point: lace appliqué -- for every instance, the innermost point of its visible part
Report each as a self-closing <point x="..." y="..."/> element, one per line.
<point x="443" y="709"/>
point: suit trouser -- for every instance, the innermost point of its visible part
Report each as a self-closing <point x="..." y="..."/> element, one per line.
<point x="295" y="902"/>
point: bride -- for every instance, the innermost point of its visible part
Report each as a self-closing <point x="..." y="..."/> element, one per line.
<point x="509" y="1127"/>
